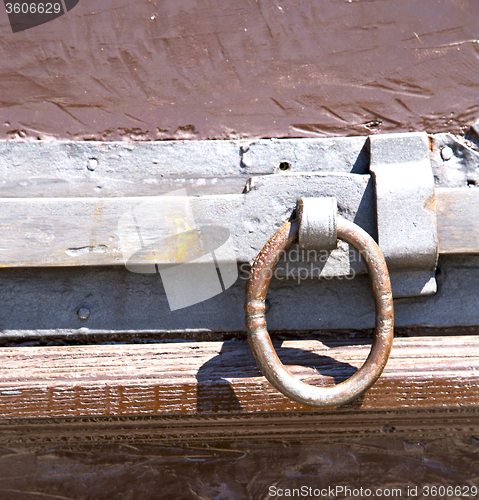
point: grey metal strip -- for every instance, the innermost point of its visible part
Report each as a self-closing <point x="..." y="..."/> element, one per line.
<point x="102" y="169"/>
<point x="40" y="227"/>
<point x="46" y="301"/>
<point x="406" y="210"/>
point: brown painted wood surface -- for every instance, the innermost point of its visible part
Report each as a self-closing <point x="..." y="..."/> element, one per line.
<point x="222" y="378"/>
<point x="238" y="469"/>
<point x="149" y="70"/>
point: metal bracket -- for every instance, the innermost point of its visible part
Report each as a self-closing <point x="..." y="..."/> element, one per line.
<point x="405" y="201"/>
<point x="406" y="210"/>
<point x="318" y="218"/>
<point x="55" y="211"/>
<point x="393" y="200"/>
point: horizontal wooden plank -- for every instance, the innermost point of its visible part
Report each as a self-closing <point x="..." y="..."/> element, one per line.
<point x="84" y="231"/>
<point x="414" y="423"/>
<point x="458" y="220"/>
<point x="240" y="458"/>
<point x="139" y="230"/>
<point x="221" y="377"/>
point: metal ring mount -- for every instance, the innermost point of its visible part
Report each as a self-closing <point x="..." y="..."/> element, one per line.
<point x="260" y="341"/>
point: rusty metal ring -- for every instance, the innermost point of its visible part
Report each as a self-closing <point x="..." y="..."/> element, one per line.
<point x="260" y="341"/>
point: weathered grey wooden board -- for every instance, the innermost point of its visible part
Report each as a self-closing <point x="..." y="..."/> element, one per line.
<point x="458" y="220"/>
<point x="222" y="377"/>
<point x="84" y="231"/>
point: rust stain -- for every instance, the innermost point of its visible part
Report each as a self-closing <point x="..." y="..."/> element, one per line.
<point x="430" y="203"/>
<point x="98" y="213"/>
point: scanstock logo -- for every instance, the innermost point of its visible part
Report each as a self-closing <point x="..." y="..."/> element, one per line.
<point x="26" y="14"/>
<point x="168" y="235"/>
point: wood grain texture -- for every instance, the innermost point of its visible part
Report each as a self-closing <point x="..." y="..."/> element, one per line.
<point x="327" y="426"/>
<point x="458" y="220"/>
<point x="221" y="377"/>
<point x="84" y="231"/>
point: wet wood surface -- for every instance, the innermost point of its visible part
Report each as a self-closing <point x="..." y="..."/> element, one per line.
<point x="196" y="420"/>
<point x="238" y="469"/>
<point x="222" y="378"/>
